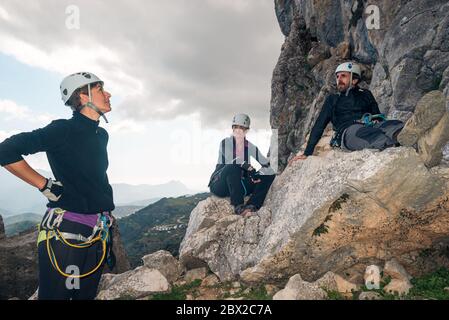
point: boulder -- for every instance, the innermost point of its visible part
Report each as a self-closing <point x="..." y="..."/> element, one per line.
<point x="329" y="213"/>
<point x="396" y="271"/>
<point x="298" y="289"/>
<point x="333" y="282"/>
<point x="165" y="263"/>
<point x="210" y="281"/>
<point x="428" y="112"/>
<point x="370" y="295"/>
<point x="133" y="284"/>
<point x="428" y="128"/>
<point x="372" y="277"/>
<point x="271" y="289"/>
<point x="195" y="274"/>
<point x="400" y="287"/>
<point x="430" y="145"/>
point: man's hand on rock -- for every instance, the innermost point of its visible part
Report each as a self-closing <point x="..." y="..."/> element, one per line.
<point x="296" y="158"/>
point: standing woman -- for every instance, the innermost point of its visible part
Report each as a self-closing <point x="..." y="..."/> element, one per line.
<point x="74" y="236"/>
<point x="234" y="176"/>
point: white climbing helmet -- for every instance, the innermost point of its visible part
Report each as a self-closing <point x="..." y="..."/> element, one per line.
<point x="75" y="81"/>
<point x="78" y="80"/>
<point x="241" y="120"/>
<point x="349" y="67"/>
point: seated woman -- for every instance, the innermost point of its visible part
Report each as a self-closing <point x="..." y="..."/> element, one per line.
<point x="235" y="177"/>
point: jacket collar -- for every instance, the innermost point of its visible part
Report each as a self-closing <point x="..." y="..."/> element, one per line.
<point x="84" y="121"/>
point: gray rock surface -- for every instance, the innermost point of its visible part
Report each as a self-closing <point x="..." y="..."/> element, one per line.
<point x="399" y="67"/>
<point x="133" y="284"/>
<point x="329" y="213"/>
<point x="165" y="263"/>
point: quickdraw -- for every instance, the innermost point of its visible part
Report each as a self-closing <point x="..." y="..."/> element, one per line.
<point x="369" y="119"/>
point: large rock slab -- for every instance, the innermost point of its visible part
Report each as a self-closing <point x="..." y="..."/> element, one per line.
<point x="298" y="289"/>
<point x="323" y="214"/>
<point x="165" y="263"/>
<point x="133" y="284"/>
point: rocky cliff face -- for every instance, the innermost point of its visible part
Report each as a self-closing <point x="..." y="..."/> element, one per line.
<point x="405" y="58"/>
<point x="341" y="211"/>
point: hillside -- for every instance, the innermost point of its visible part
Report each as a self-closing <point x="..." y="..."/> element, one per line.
<point x="124" y="211"/>
<point x="160" y="226"/>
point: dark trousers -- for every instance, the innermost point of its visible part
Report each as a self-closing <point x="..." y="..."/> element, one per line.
<point x="380" y="136"/>
<point x="231" y="184"/>
<point x="52" y="285"/>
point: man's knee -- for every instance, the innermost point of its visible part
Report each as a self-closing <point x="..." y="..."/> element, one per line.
<point x="363" y="137"/>
<point x="268" y="179"/>
<point x="391" y="128"/>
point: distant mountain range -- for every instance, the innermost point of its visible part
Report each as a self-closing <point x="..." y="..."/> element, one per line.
<point x="17" y="197"/>
<point x="126" y="194"/>
<point x="124" y="211"/>
<point x="22" y="222"/>
<point x="5" y="213"/>
<point x="141" y="203"/>
<point x="159" y="226"/>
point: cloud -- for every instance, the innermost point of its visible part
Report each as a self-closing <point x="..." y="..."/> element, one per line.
<point x="164" y="58"/>
<point x="4" y="15"/>
<point x="11" y="111"/>
<point x="126" y="126"/>
<point x="7" y="134"/>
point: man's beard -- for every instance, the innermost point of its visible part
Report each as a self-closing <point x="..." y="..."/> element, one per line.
<point x="342" y="87"/>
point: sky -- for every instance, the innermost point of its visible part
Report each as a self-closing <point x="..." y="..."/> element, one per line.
<point x="177" y="71"/>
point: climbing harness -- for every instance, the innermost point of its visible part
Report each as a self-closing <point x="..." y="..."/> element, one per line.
<point x="367" y="120"/>
<point x="49" y="228"/>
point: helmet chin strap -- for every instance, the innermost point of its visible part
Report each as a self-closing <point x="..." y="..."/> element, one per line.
<point x="94" y="107"/>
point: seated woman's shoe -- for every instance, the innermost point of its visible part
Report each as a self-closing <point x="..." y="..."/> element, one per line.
<point x="239" y="209"/>
<point x="249" y="211"/>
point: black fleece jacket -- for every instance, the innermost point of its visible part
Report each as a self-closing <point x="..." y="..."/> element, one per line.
<point x="342" y="111"/>
<point x="76" y="152"/>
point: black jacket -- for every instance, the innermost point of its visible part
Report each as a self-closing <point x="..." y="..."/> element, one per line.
<point x="342" y="111"/>
<point x="76" y="151"/>
<point x="227" y="155"/>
